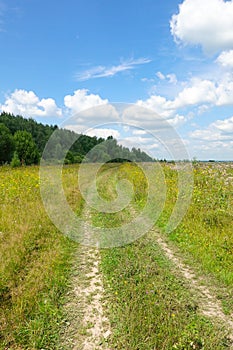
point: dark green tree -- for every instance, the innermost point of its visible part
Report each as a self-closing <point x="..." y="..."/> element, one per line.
<point x="26" y="148"/>
<point x="69" y="159"/>
<point x="6" y="144"/>
<point x="61" y="142"/>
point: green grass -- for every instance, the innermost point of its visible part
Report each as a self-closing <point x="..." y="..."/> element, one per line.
<point x="205" y="236"/>
<point x="35" y="262"/>
<point x="149" y="307"/>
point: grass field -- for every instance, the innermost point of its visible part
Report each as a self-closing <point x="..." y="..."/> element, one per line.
<point x="148" y="305"/>
<point x="34" y="264"/>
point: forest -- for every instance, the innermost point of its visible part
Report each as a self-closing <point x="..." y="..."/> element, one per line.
<point x="22" y="142"/>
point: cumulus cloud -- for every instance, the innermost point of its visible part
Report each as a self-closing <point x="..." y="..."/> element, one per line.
<point x="164" y="108"/>
<point x="105" y="72"/>
<point x="158" y="104"/>
<point x="82" y="100"/>
<point x="204" y="93"/>
<point x="225" y="125"/>
<point x="204" y="22"/>
<point x="200" y="91"/>
<point x="87" y="111"/>
<point x="177" y="120"/>
<point x="226" y="59"/>
<point x="214" y="141"/>
<point x="220" y="130"/>
<point x="224" y="91"/>
<point x="170" y="77"/>
<point x="28" y="104"/>
<point x="208" y="135"/>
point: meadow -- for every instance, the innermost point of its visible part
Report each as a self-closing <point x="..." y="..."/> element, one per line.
<point x="34" y="264"/>
<point x="149" y="306"/>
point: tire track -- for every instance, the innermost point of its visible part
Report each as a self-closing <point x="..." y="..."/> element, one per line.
<point x="208" y="303"/>
<point x="91" y="329"/>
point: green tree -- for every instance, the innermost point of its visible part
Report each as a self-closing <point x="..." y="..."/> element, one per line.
<point x="15" y="162"/>
<point x="6" y="144"/>
<point x="26" y="148"/>
<point x="69" y="159"/>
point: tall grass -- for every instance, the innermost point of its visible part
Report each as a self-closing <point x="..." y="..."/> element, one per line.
<point x="206" y="230"/>
<point x="149" y="307"/>
<point x="35" y="262"/>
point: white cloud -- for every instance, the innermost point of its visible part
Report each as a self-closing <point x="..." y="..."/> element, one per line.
<point x="225" y="125"/>
<point x="160" y="75"/>
<point x="86" y="111"/>
<point x="90" y="129"/>
<point x="226" y="59"/>
<point x="144" y="143"/>
<point x="204" y="22"/>
<point x="212" y="142"/>
<point x="177" y="120"/>
<point x="78" y="128"/>
<point x="138" y="116"/>
<point x="137" y="140"/>
<point x="204" y="93"/>
<point x="224" y="91"/>
<point x="172" y="78"/>
<point x="28" y="104"/>
<point x="207" y="135"/>
<point x="152" y="146"/>
<point x="164" y="108"/>
<point x="139" y="132"/>
<point x="83" y="100"/>
<point x="104" y="72"/>
<point x="200" y="91"/>
<point x="157" y="104"/>
<point x="147" y="80"/>
<point x="104" y="133"/>
<point x="220" y="130"/>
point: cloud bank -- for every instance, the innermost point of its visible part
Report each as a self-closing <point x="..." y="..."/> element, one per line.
<point x="207" y="23"/>
<point x="28" y="104"/>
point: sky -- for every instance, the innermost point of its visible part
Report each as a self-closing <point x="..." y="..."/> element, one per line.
<point x="171" y="58"/>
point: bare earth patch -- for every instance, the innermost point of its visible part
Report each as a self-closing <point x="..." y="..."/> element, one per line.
<point x="87" y="328"/>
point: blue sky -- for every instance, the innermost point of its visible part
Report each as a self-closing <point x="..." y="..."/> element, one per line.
<point x="173" y="57"/>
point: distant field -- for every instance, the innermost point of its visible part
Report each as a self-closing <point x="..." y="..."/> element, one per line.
<point x="148" y="305"/>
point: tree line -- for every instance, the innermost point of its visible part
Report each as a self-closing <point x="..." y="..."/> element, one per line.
<point x="22" y="142"/>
